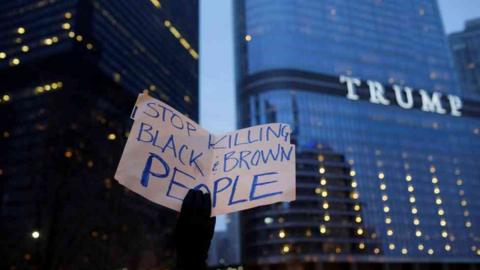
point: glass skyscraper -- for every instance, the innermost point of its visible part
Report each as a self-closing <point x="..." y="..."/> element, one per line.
<point x="387" y="147"/>
<point x="465" y="46"/>
<point x="70" y="73"/>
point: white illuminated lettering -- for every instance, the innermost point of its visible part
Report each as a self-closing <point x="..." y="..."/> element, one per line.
<point x="377" y="93"/>
<point x="455" y="105"/>
<point x="408" y="104"/>
<point x="351" y="86"/>
<point x="431" y="104"/>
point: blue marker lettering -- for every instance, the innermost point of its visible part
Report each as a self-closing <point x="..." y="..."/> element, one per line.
<point x="255" y="184"/>
<point x="148" y="167"/>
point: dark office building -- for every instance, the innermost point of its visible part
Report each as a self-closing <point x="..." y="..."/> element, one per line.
<point x="388" y="149"/>
<point x="70" y="72"/>
<point x="465" y="46"/>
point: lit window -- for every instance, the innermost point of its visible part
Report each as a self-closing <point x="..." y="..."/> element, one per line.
<point x="388" y="220"/>
<point x="318" y="190"/>
<point x="468" y="224"/>
<point x="117" y="77"/>
<point x="432" y="169"/>
<point x="322" y="170"/>
<point x="15" y="61"/>
<point x="434" y="180"/>
<point x="48" y="41"/>
<point x="436" y="190"/>
<point x="326" y="217"/>
<point x="248" y="38"/>
<point x="6" y="98"/>
<point x="21" y="30"/>
<point x="325" y="205"/>
<point x="420" y="247"/>
<point x="71" y="34"/>
<point x="25" y="48"/>
<point x="324" y="193"/>
<point x="66" y="26"/>
<point x="438" y="201"/>
<point x="430" y="251"/>
<point x="282" y="234"/>
<point x="459" y="182"/>
<point x="386" y="209"/>
<point x="79" y="38"/>
<point x="463" y="202"/>
<point x="68" y="154"/>
<point x="448" y="247"/>
<point x="3" y="55"/>
<point x="389" y="232"/>
<point x="111" y="136"/>
<point x="323" y="229"/>
<point x="68" y="15"/>
<point x="286" y="249"/>
<point x="441" y="212"/>
<point x="391" y="246"/>
<point x="356" y="207"/>
<point x="414" y="210"/>
<point x="359" y="231"/>
<point x="156" y="3"/>
<point x="412" y="199"/>
<point x="410" y="188"/>
<point x="354" y="195"/>
<point x="361" y="245"/>
<point x="354" y="184"/>
<point x="353" y="173"/>
<point x="381" y="175"/>
<point x="408" y="178"/>
<point x="268" y="220"/>
<point x="404" y="251"/>
<point x="444" y="234"/>
<point x="384" y="197"/>
<point x="376" y="250"/>
<point x="383" y="186"/>
<point x="443" y="223"/>
<point x="89" y="46"/>
<point x="35" y="234"/>
<point x="323" y="181"/>
<point x="358" y="219"/>
<point x="416" y="221"/>
<point x="418" y="233"/>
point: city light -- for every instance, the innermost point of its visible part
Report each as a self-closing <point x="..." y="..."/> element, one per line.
<point x="111" y="136"/>
<point x="35" y="234"/>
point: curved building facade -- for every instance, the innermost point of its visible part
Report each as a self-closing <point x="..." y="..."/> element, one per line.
<point x="387" y="148"/>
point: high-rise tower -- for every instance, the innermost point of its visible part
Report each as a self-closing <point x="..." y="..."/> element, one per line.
<point x="387" y="148"/>
<point x="70" y="72"/>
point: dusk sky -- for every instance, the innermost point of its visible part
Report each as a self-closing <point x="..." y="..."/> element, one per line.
<point x="217" y="85"/>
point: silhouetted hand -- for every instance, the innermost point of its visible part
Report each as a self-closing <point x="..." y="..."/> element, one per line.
<point x="194" y="231"/>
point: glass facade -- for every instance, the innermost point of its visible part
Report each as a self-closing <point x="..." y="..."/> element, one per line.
<point x="465" y="48"/>
<point x="375" y="182"/>
<point x="70" y="73"/>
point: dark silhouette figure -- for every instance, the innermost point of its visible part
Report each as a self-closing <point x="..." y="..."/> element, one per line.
<point x="194" y="231"/>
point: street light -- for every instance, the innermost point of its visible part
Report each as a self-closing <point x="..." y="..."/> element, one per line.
<point x="35" y="234"/>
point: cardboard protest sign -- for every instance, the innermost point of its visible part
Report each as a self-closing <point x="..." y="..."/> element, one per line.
<point x="167" y="154"/>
